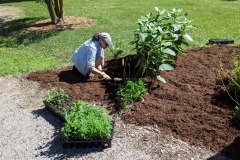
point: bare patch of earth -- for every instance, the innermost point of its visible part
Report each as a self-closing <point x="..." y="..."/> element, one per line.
<point x="69" y="22"/>
<point x="7" y="14"/>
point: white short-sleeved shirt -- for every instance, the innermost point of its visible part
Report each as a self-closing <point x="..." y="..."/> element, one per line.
<point x="85" y="56"/>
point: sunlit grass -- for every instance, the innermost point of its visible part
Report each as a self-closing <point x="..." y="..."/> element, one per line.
<point x="214" y="18"/>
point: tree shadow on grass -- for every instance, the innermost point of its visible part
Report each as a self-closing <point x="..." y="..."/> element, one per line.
<point x="54" y="148"/>
<point x="229" y="0"/>
<point x="12" y="1"/>
<point x="12" y="33"/>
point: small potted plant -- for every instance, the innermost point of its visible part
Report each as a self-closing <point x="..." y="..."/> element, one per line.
<point x="87" y="126"/>
<point x="57" y="101"/>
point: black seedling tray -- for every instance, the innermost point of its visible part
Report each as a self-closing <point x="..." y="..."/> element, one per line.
<point x="54" y="112"/>
<point x="221" y="41"/>
<point x="104" y="143"/>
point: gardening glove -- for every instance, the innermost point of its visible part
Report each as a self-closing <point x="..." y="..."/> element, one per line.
<point x="105" y="76"/>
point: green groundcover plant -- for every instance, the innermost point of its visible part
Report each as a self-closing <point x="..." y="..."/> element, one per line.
<point x="86" y="122"/>
<point x="158" y="40"/>
<point x="234" y="86"/>
<point x="236" y="113"/>
<point x="116" y="50"/>
<point x="58" y="99"/>
<point x="131" y="91"/>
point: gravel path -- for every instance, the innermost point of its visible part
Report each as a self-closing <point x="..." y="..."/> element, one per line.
<point x="29" y="131"/>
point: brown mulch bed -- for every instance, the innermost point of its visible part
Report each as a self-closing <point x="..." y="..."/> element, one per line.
<point x="191" y="106"/>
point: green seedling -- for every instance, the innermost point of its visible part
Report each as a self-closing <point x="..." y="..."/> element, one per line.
<point x="236" y="114"/>
<point x="131" y="91"/>
<point x="58" y="99"/>
<point x="116" y="50"/>
<point x="86" y="122"/>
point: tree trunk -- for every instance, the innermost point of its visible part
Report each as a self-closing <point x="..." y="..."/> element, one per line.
<point x="55" y="8"/>
<point x="61" y="13"/>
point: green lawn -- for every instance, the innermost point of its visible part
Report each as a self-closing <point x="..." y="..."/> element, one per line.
<point x="26" y="52"/>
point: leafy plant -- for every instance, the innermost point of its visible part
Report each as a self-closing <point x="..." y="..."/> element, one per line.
<point x="116" y="50"/>
<point x="158" y="41"/>
<point x="234" y="84"/>
<point x="131" y="91"/>
<point x="86" y="122"/>
<point x="236" y="114"/>
<point x="59" y="99"/>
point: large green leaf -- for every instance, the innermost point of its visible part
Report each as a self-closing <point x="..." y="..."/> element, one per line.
<point x="161" y="79"/>
<point x="188" y="37"/>
<point x="167" y="44"/>
<point x="143" y="36"/>
<point x="169" y="51"/>
<point x="166" y="67"/>
<point x="177" y="27"/>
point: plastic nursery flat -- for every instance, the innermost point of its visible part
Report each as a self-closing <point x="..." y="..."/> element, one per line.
<point x="221" y="41"/>
<point x="104" y="143"/>
<point x="53" y="111"/>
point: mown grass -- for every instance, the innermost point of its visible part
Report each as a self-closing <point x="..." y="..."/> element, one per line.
<point x="26" y="52"/>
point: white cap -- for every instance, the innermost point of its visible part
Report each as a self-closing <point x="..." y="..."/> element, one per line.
<point x="106" y="37"/>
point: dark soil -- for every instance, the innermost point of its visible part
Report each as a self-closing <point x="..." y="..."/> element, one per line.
<point x="191" y="106"/>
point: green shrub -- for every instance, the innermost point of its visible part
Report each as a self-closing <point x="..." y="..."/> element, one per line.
<point x="131" y="91"/>
<point x="86" y="122"/>
<point x="158" y="41"/>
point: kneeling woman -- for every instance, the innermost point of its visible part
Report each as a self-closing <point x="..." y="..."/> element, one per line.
<point x="89" y="57"/>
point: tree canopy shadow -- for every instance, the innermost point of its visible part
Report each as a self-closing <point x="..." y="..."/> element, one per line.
<point x="229" y="0"/>
<point x="12" y="1"/>
<point x="12" y="33"/>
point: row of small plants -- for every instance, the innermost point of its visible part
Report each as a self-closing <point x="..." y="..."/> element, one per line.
<point x="83" y="121"/>
<point x="58" y="99"/>
<point x="87" y="122"/>
<point x="233" y="85"/>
